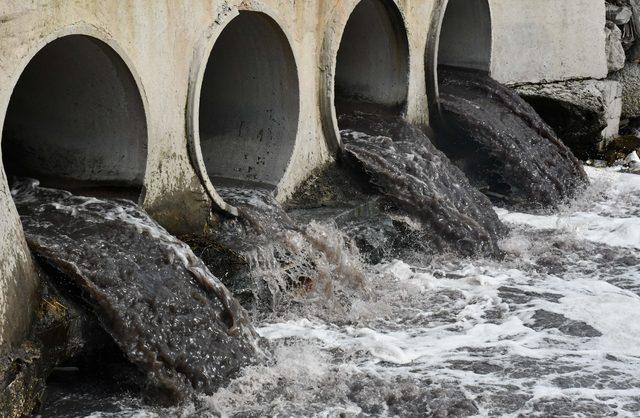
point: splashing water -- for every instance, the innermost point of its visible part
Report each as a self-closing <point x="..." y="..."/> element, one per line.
<point x="283" y="260"/>
<point x="548" y="331"/>
<point x="502" y="145"/>
<point x="169" y="315"/>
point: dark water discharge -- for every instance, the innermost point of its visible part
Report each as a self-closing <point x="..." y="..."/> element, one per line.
<point x="265" y="254"/>
<point x="351" y="328"/>
<point x="501" y="143"/>
<point x="548" y="330"/>
<point x="404" y="166"/>
<point x="168" y="314"/>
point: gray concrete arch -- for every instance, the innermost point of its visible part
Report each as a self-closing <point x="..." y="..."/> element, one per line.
<point x="76" y="120"/>
<point x="460" y="35"/>
<point x="365" y="58"/>
<point x="245" y="110"/>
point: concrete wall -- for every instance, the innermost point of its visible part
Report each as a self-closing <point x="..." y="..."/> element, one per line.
<point x="527" y="42"/>
<point x="547" y="40"/>
<point x="166" y="46"/>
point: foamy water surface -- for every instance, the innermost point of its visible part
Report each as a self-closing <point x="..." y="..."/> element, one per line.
<point x="550" y="330"/>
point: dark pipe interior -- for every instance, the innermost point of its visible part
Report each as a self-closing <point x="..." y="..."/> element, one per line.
<point x="372" y="67"/>
<point x="464" y="42"/>
<point x="76" y="121"/>
<point x="249" y="103"/>
<point x="465" y="37"/>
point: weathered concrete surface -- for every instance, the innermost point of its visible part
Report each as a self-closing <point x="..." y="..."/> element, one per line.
<point x="612" y="96"/>
<point x="166" y="45"/>
<point x="524" y="41"/>
<point x="18" y="284"/>
<point x="548" y="40"/>
<point x="466" y="37"/>
<point x="415" y="14"/>
<point x="76" y="114"/>
<point x="629" y="77"/>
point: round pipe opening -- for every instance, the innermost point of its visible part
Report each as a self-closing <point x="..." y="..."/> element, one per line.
<point x="249" y="103"/>
<point x="372" y="65"/>
<point x="460" y="37"/>
<point x="465" y="35"/>
<point x="76" y="121"/>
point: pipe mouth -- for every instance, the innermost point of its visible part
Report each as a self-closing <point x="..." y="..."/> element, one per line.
<point x="76" y="121"/>
<point x="460" y="37"/>
<point x="249" y="103"/>
<point x="372" y="63"/>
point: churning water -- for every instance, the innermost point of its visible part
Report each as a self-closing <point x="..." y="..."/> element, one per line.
<point x="404" y="166"/>
<point x="168" y="314"/>
<point x="550" y="330"/>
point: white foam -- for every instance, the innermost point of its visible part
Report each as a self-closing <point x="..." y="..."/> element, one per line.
<point x="421" y="321"/>
<point x="552" y="325"/>
<point x="599" y="224"/>
<point x="617" y="232"/>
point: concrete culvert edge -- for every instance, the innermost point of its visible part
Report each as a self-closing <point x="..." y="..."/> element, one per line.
<point x="76" y="120"/>
<point x="249" y="103"/>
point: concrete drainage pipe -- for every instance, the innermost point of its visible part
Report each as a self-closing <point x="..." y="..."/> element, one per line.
<point x="249" y="103"/>
<point x="76" y="120"/>
<point x="372" y="66"/>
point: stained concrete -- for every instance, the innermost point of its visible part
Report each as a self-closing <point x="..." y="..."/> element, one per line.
<point x="166" y="46"/>
<point x="547" y="40"/>
<point x="249" y="103"/>
<point x="465" y="37"/>
<point x="517" y="41"/>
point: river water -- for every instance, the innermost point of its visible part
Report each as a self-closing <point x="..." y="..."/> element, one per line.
<point x="549" y="330"/>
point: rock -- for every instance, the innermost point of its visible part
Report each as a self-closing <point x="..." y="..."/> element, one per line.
<point x="632" y="161"/>
<point x="629" y="77"/>
<point x="583" y="113"/>
<point x="620" y="15"/>
<point x="633" y="52"/>
<point x="615" y="52"/>
<point x="619" y="148"/>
